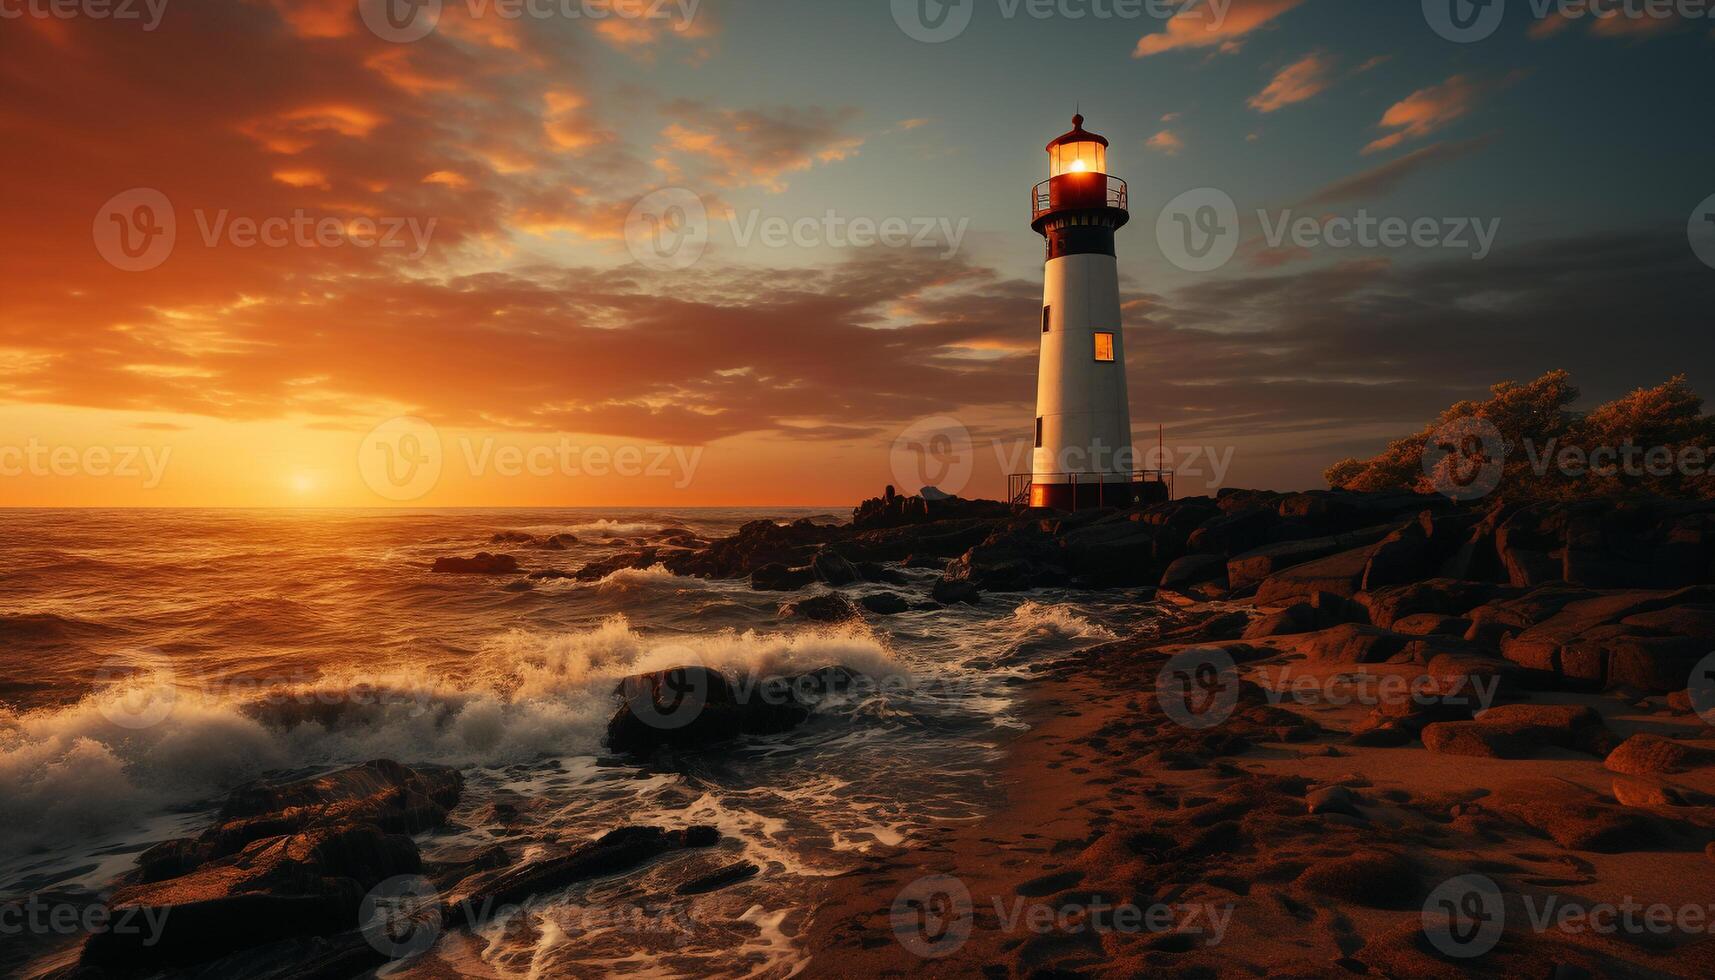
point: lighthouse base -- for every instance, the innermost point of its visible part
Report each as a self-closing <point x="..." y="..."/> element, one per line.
<point x="1118" y="492"/>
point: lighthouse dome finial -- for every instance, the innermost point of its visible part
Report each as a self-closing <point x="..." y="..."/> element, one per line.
<point x="1077" y="120"/>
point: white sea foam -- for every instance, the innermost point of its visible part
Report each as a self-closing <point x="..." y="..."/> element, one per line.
<point x="614" y="529"/>
<point x="1059" y="619"/>
<point x="653" y="577"/>
<point x="71" y="771"/>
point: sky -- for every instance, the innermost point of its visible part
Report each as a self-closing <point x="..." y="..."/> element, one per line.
<point x="302" y="253"/>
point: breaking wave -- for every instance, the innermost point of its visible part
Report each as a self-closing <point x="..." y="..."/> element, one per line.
<point x="155" y="739"/>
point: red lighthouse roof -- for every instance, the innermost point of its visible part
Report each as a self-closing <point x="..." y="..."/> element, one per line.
<point x="1078" y="135"/>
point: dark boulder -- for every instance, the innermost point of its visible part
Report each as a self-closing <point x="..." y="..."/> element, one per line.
<point x="306" y="884"/>
<point x="1233" y="533"/>
<point x="1193" y="570"/>
<point x="384" y="794"/>
<point x="884" y="603"/>
<point x="693" y="707"/>
<point x="776" y="577"/>
<point x="1012" y="559"/>
<point x="832" y="568"/>
<point x="827" y="607"/>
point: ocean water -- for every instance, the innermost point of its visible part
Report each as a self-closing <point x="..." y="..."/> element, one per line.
<point x="150" y="660"/>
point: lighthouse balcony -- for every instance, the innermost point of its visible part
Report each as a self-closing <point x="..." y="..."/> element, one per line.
<point x="1082" y="491"/>
<point x="1078" y="191"/>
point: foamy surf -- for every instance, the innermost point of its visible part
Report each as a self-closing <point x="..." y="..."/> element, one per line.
<point x="1059" y="619"/>
<point x="161" y="739"/>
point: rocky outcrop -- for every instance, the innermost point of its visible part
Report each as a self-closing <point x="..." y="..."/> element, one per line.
<point x="1519" y="731"/>
<point x="828" y="607"/>
<point x="384" y="794"/>
<point x="892" y="510"/>
<point x="285" y="859"/>
<point x="884" y="603"/>
<point x="693" y="707"/>
<point x="620" y="850"/>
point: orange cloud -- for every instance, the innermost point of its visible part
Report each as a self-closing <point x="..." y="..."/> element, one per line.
<point x="1302" y="80"/>
<point x="1197" y="26"/>
<point x="1166" y="142"/>
<point x="1427" y="110"/>
<point x="755" y="146"/>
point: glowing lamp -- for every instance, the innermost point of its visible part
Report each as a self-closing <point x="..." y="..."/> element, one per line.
<point x="1078" y="152"/>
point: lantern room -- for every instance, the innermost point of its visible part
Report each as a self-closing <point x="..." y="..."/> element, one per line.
<point x="1079" y="190"/>
<point x="1078" y="152"/>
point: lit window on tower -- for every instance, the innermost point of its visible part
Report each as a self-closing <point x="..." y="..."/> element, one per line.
<point x="1104" y="346"/>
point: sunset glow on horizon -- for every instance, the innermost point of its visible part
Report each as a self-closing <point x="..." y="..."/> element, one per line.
<point x="319" y="225"/>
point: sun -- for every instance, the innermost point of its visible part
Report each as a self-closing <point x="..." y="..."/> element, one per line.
<point x="302" y="483"/>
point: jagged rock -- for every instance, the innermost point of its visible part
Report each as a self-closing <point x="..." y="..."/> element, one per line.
<point x="482" y="563"/>
<point x="305" y="884"/>
<point x="1233" y="533"/>
<point x="1013" y="559"/>
<point x="1584" y="640"/>
<point x="1339" y="574"/>
<point x="1111" y="552"/>
<point x="1297" y="618"/>
<point x="833" y="569"/>
<point x="1401" y="557"/>
<point x="776" y="577"/>
<point x="693" y="707"/>
<point x="1193" y="569"/>
<point x="828" y="607"/>
<point x="884" y="603"/>
<point x="1254" y="566"/>
<point x="1443" y="596"/>
<point x="383" y="793"/>
<point x="893" y="510"/>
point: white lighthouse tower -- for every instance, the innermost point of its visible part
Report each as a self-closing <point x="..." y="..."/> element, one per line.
<point x="1083" y="455"/>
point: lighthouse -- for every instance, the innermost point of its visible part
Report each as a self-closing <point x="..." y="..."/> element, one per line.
<point x="1083" y="455"/>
